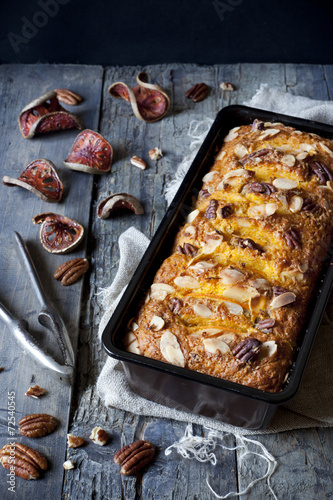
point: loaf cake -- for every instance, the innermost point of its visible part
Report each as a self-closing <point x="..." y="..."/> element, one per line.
<point x="231" y="299"/>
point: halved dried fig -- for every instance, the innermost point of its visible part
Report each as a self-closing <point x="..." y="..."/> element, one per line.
<point x="90" y="153"/>
<point x="116" y="202"/>
<point x="149" y="102"/>
<point x="58" y="234"/>
<point x="41" y="178"/>
<point x="45" y="114"/>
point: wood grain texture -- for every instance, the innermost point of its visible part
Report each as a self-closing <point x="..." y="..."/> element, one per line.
<point x="304" y="457"/>
<point x="19" y="86"/>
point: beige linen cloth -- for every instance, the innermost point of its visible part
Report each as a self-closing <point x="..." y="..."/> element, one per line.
<point x="313" y="405"/>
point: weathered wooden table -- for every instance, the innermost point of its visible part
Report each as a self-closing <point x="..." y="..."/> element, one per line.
<point x="304" y="456"/>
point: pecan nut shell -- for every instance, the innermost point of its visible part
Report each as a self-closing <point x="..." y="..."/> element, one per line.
<point x="175" y="305"/>
<point x="24" y="461"/>
<point x="198" y="92"/>
<point x="68" y="97"/>
<point x="247" y="350"/>
<point x="210" y="212"/>
<point x="37" y="425"/>
<point x="292" y="238"/>
<point x="133" y="457"/>
<point x="72" y="270"/>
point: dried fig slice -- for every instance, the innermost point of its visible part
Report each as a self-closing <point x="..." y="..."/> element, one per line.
<point x="149" y="102"/>
<point x="58" y="234"/>
<point x="39" y="177"/>
<point x="90" y="153"/>
<point x="45" y="114"/>
<point x="116" y="202"/>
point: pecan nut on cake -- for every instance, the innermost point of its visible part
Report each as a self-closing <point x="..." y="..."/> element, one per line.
<point x="231" y="299"/>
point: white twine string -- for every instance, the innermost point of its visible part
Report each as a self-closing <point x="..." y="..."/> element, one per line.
<point x="202" y="449"/>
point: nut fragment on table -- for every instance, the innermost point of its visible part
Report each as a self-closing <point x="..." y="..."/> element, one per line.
<point x="74" y="441"/>
<point x="68" y="97"/>
<point x="133" y="457"/>
<point x="68" y="465"/>
<point x="37" y="425"/>
<point x="99" y="436"/>
<point x="138" y="162"/>
<point x="35" y="391"/>
<point x="198" y="92"/>
<point x="155" y="154"/>
<point x="229" y="87"/>
<point x="23" y="461"/>
<point x="71" y="271"/>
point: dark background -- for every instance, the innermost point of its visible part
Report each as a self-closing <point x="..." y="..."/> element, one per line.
<point x="147" y="32"/>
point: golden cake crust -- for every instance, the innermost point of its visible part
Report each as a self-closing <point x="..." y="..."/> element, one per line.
<point x="231" y="299"/>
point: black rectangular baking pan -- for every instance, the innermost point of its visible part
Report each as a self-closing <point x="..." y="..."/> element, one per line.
<point x="187" y="390"/>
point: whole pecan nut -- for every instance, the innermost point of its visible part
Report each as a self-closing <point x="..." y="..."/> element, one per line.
<point x="266" y="325"/>
<point x="133" y="457"/>
<point x="248" y="243"/>
<point x="227" y="211"/>
<point x="188" y="249"/>
<point x="259" y="187"/>
<point x="37" y="425"/>
<point x="24" y="461"/>
<point x="198" y="92"/>
<point x="256" y="154"/>
<point x="279" y="290"/>
<point x="309" y="206"/>
<point x="204" y="193"/>
<point x="68" y="97"/>
<point x="247" y="350"/>
<point x="175" y="305"/>
<point x="292" y="238"/>
<point x="210" y="212"/>
<point x="321" y="171"/>
<point x="69" y="272"/>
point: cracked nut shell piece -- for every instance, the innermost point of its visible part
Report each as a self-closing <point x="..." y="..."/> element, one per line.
<point x="58" y="234"/>
<point x="70" y="272"/>
<point x="149" y="102"/>
<point x="37" y="425"/>
<point x="116" y="202"/>
<point x="99" y="436"/>
<point x="39" y="177"/>
<point x="155" y="154"/>
<point x="74" y="441"/>
<point x="90" y="153"/>
<point x="138" y="162"/>
<point x="35" y="392"/>
<point x="24" y="461"/>
<point x="45" y="114"/>
<point x="68" y="465"/>
<point x="133" y="457"/>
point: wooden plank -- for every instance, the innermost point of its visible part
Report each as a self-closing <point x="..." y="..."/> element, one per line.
<point x="20" y="85"/>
